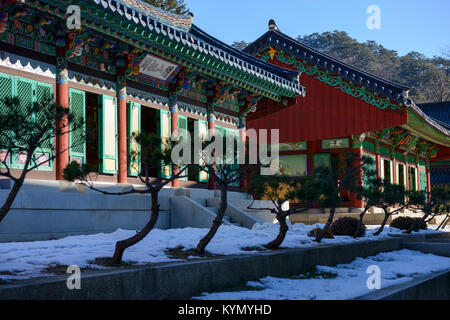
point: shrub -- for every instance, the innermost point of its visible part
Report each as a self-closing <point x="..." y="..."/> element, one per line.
<point x="316" y="231"/>
<point x="346" y="226"/>
<point x="404" y="223"/>
<point x="421" y="225"/>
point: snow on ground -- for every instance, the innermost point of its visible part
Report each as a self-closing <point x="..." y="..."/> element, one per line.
<point x="24" y="260"/>
<point x="351" y="280"/>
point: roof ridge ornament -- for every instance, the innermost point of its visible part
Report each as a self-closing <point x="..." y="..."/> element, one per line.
<point x="273" y="25"/>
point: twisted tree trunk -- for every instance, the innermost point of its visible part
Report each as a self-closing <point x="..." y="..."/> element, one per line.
<point x="416" y="223"/>
<point x="121" y="246"/>
<point x="360" y="222"/>
<point x="324" y="231"/>
<point x="10" y="199"/>
<point x="383" y="224"/>
<point x="15" y="190"/>
<point x="216" y="223"/>
<point x="444" y="222"/>
<point x="281" y="234"/>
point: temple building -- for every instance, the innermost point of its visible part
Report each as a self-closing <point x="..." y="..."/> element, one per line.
<point x="440" y="165"/>
<point x="347" y="109"/>
<point x="128" y="67"/>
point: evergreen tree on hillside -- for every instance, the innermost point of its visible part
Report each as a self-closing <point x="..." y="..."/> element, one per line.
<point x="240" y="45"/>
<point x="172" y="6"/>
<point x="428" y="78"/>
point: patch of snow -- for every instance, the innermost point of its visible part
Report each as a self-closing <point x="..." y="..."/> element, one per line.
<point x="24" y="260"/>
<point x="396" y="267"/>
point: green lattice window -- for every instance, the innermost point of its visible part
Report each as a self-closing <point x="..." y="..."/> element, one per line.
<point x="28" y="91"/>
<point x="321" y="160"/>
<point x="77" y="105"/>
<point x="423" y="180"/>
<point x="25" y="92"/>
<point x="43" y="93"/>
<point x="235" y="134"/>
<point x="369" y="167"/>
<point x="6" y="85"/>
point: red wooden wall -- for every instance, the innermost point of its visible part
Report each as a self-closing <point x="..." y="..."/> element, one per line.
<point x="324" y="113"/>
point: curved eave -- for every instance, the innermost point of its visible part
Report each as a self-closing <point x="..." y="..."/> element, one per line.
<point x="284" y="73"/>
<point x="281" y="41"/>
<point x="427" y="128"/>
<point x="206" y="56"/>
<point x="140" y="11"/>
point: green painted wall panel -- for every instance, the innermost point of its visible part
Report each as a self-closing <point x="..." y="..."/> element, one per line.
<point x="77" y="141"/>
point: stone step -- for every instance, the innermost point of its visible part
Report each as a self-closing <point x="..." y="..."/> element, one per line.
<point x="213" y="209"/>
<point x="256" y="210"/>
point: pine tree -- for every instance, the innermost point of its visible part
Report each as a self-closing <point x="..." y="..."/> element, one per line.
<point x="428" y="78"/>
<point x="240" y="45"/>
<point x="172" y="6"/>
<point x="151" y="157"/>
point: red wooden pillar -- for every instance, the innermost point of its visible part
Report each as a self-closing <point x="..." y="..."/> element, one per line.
<point x="173" y="105"/>
<point x="313" y="147"/>
<point x="242" y="139"/>
<point x="211" y="127"/>
<point x="122" y="129"/>
<point x="428" y="177"/>
<point x="62" y="98"/>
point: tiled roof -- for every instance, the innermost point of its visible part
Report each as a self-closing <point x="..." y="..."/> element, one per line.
<point x="180" y="29"/>
<point x="440" y="111"/>
<point x="276" y="39"/>
<point x="146" y="9"/>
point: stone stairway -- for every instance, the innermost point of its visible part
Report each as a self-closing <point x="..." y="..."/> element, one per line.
<point x="225" y="217"/>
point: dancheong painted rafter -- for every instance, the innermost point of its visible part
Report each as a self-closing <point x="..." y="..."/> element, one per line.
<point x="178" y="40"/>
<point x="132" y="67"/>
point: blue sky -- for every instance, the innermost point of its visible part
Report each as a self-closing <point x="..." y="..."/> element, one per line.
<point x="414" y="25"/>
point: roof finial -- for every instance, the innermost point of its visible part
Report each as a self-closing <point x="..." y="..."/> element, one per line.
<point x="273" y="25"/>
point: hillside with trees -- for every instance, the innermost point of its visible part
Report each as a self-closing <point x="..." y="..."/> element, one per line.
<point x="428" y="78"/>
<point x="172" y="6"/>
